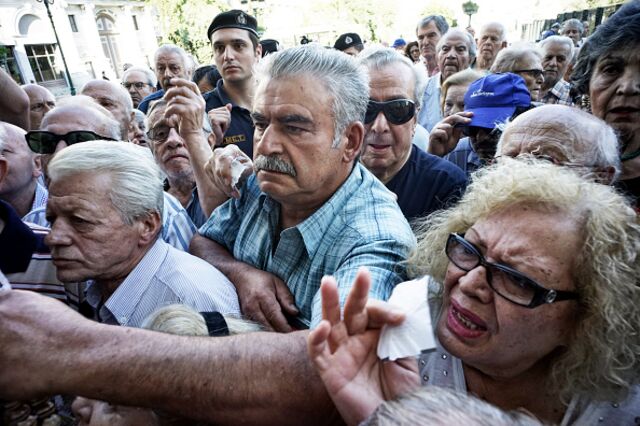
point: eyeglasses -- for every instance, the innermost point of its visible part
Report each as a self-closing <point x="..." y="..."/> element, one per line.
<point x="42" y="142"/>
<point x="138" y="85"/>
<point x="532" y="73"/>
<point x="397" y="111"/>
<point x="160" y="133"/>
<point x="505" y="281"/>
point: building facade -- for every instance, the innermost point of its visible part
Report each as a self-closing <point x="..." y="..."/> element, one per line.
<point x="97" y="38"/>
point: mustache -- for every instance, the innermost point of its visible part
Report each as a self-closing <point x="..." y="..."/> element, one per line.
<point x="273" y="163"/>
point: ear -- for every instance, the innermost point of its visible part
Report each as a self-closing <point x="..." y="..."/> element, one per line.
<point x="149" y="227"/>
<point x="354" y="135"/>
<point x="259" y="51"/>
<point x="37" y="166"/>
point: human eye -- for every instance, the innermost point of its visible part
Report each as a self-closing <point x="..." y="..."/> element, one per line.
<point x="294" y="130"/>
<point x="218" y="48"/>
<point x="239" y="45"/>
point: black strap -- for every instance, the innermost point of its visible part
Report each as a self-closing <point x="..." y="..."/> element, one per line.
<point x="216" y="324"/>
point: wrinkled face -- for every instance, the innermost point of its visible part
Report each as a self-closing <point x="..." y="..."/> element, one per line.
<point x="428" y="38"/>
<point x="387" y="146"/>
<point x="169" y="148"/>
<point x="234" y="54"/>
<point x="530" y="68"/>
<point x="41" y="101"/>
<point x="293" y="121"/>
<point x="454" y="100"/>
<point x="104" y="94"/>
<point x="547" y="141"/>
<point x="490" y="42"/>
<point x="614" y="90"/>
<point x="89" y="238"/>
<point x="453" y="55"/>
<point x="170" y="65"/>
<point x="490" y="333"/>
<point x="91" y="412"/>
<point x="573" y="33"/>
<point x="555" y="62"/>
<point x="23" y="165"/>
<point x="138" y="132"/>
<point x="137" y="78"/>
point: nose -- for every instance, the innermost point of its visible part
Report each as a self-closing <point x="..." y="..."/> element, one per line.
<point x="540" y="79"/>
<point x="266" y="141"/>
<point x="629" y="83"/>
<point x="228" y="53"/>
<point x="174" y="140"/>
<point x="475" y="284"/>
<point x="553" y="63"/>
<point x="59" y="235"/>
<point x="47" y="107"/>
<point x="60" y="146"/>
<point x="380" y="124"/>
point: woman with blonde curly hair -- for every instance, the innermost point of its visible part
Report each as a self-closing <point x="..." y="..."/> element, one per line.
<point x="533" y="286"/>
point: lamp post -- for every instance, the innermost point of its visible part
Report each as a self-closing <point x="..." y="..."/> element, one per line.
<point x="64" y="61"/>
<point x="469" y="8"/>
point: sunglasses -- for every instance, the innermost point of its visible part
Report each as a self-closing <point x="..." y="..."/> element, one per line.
<point x="532" y="73"/>
<point x="42" y="142"/>
<point x="397" y="111"/>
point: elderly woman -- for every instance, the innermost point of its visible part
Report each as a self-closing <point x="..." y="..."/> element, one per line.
<point x="525" y="60"/>
<point x="454" y="88"/>
<point x="532" y="284"/>
<point x="607" y="74"/>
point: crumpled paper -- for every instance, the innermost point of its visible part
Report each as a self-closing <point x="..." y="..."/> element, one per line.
<point x="237" y="167"/>
<point x="415" y="334"/>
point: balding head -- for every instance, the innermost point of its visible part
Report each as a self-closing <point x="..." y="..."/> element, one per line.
<point x="115" y="98"/>
<point x="41" y="101"/>
<point x="567" y="137"/>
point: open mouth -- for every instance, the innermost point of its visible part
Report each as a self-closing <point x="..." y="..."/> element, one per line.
<point x="467" y="322"/>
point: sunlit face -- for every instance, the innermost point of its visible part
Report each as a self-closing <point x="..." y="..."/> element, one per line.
<point x="138" y="132"/>
<point x="294" y="122"/>
<point x="91" y="412"/>
<point x="555" y="62"/>
<point x="453" y="55"/>
<point x="89" y="238"/>
<point x="41" y="101"/>
<point x="530" y="69"/>
<point x="492" y="334"/>
<point x="234" y="54"/>
<point x="387" y="146"/>
<point x="428" y="38"/>
<point x="573" y="33"/>
<point x="170" y="64"/>
<point x="614" y="90"/>
<point x="23" y="165"/>
<point x="134" y="78"/>
<point x="169" y="149"/>
<point x="490" y="43"/>
<point x="454" y="99"/>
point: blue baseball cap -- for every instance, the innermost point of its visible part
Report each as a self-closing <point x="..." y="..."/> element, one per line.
<point x="494" y="98"/>
<point x="399" y="42"/>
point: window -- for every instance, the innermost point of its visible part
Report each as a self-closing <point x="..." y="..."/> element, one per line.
<point x="135" y="22"/>
<point x="72" y="22"/>
<point x="8" y="63"/>
<point x="43" y="59"/>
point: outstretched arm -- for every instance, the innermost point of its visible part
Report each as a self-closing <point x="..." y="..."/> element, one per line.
<point x="14" y="102"/>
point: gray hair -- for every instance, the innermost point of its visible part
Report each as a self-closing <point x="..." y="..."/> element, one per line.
<point x="187" y="62"/>
<point x="152" y="80"/>
<point x="439" y="21"/>
<point x="471" y="43"/>
<point x="380" y="57"/>
<point x="136" y="189"/>
<point x="560" y="40"/>
<point x="110" y="126"/>
<point x="507" y="58"/>
<point x="435" y="405"/>
<point x="573" y="22"/>
<point x="501" y="29"/>
<point x="342" y="78"/>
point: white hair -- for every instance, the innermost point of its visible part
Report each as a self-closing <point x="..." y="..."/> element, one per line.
<point x="508" y="58"/>
<point x="187" y="62"/>
<point x="152" y="80"/>
<point x="471" y="43"/>
<point x="560" y="40"/>
<point x="136" y="188"/>
<point x="380" y="57"/>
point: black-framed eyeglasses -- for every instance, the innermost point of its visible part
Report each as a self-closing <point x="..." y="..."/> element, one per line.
<point x="505" y="281"/>
<point x="396" y="111"/>
<point x="532" y="73"/>
<point x="42" y="142"/>
<point x="160" y="133"/>
<point x="138" y="85"/>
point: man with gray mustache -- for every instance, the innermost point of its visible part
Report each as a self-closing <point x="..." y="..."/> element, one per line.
<point x="308" y="208"/>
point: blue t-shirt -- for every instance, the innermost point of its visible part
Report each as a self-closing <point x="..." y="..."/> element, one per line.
<point x="426" y="183"/>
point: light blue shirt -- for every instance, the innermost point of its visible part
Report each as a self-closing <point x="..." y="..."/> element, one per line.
<point x="360" y="225"/>
<point x="163" y="277"/>
<point x="430" y="113"/>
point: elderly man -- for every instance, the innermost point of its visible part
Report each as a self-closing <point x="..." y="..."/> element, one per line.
<point x="429" y="31"/>
<point x="140" y="82"/>
<point x="105" y="206"/>
<point x="41" y="101"/>
<point x="422" y="182"/>
<point x="170" y="62"/>
<point x="573" y="29"/>
<point x="80" y="119"/>
<point x="236" y="51"/>
<point x="115" y="99"/>
<point x="456" y="50"/>
<point x="557" y="53"/>
<point x="493" y="38"/>
<point x="326" y="208"/>
<point x="567" y="137"/>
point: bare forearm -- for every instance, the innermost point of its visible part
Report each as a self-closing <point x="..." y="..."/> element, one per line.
<point x="200" y="152"/>
<point x="14" y="103"/>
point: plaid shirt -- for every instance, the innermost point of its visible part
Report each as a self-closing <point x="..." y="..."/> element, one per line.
<point x="360" y="225"/>
<point x="559" y="94"/>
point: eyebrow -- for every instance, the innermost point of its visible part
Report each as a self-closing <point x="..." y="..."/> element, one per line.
<point x="294" y="119"/>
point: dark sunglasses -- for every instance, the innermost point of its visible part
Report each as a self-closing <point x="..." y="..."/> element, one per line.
<point x="42" y="142"/>
<point x="397" y="111"/>
<point x="532" y="73"/>
<point x="505" y="281"/>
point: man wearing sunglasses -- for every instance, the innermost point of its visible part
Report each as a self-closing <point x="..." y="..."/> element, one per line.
<point x="140" y="82"/>
<point x="422" y="182"/>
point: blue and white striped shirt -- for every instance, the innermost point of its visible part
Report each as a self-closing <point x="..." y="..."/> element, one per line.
<point x="360" y="225"/>
<point x="165" y="276"/>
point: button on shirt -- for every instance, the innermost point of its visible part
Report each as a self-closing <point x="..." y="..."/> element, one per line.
<point x="360" y="225"/>
<point x="240" y="131"/>
<point x="163" y="277"/>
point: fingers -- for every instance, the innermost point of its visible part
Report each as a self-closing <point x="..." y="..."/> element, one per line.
<point x="381" y="313"/>
<point x="330" y="300"/>
<point x="274" y="316"/>
<point x="355" y="314"/>
<point x="285" y="298"/>
<point x="317" y="346"/>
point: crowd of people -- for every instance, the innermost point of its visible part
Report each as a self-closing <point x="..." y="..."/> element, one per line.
<point x="218" y="244"/>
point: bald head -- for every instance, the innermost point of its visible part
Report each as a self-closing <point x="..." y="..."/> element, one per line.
<point x="81" y="113"/>
<point x="115" y="98"/>
<point x="41" y="101"/>
<point x="566" y="136"/>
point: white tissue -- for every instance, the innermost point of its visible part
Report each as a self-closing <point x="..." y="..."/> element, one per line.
<point x="236" y="172"/>
<point x="415" y="334"/>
